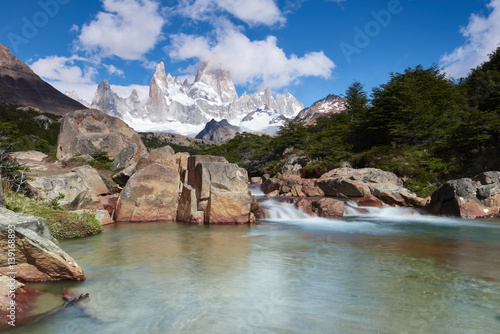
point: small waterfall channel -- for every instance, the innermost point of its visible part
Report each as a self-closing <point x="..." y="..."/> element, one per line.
<point x="277" y="210"/>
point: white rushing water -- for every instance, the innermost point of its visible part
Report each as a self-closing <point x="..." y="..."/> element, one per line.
<point x="256" y="190"/>
<point x="364" y="220"/>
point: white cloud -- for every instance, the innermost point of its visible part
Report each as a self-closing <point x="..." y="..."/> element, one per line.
<point x="56" y="68"/>
<point x="257" y="63"/>
<point x="125" y="91"/>
<point x="253" y="12"/>
<point x="482" y="37"/>
<point x="64" y="74"/>
<point x="126" y="28"/>
<point x="113" y="70"/>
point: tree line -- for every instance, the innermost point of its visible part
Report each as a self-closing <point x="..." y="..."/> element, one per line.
<point x="420" y="124"/>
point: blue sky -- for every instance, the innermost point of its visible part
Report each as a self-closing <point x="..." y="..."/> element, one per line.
<point x="310" y="48"/>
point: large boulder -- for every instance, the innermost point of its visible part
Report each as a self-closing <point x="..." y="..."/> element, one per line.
<point x="151" y="194"/>
<point x="164" y="156"/>
<point x="194" y="189"/>
<point x="395" y="195"/>
<point x="468" y="198"/>
<point x="222" y="192"/>
<point x="126" y="157"/>
<point x="217" y="189"/>
<point x="367" y="182"/>
<point x="90" y="130"/>
<point x="36" y="255"/>
<point x="354" y="182"/>
<point x="80" y="188"/>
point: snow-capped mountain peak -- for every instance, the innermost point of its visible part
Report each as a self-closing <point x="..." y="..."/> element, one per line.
<point x="185" y="108"/>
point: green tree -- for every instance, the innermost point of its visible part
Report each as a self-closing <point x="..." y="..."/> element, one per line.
<point x="418" y="107"/>
<point x="357" y="108"/>
<point x="357" y="101"/>
<point x="478" y="136"/>
<point x="292" y="134"/>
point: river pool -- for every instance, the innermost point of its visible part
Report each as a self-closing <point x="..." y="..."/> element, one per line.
<point x="384" y="271"/>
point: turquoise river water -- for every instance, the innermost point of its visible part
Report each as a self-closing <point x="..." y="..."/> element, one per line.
<point x="376" y="271"/>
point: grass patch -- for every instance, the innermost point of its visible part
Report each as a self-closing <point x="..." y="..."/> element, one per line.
<point x="62" y="224"/>
<point x="102" y="160"/>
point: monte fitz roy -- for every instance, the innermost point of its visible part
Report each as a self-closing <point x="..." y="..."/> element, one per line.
<point x="212" y="95"/>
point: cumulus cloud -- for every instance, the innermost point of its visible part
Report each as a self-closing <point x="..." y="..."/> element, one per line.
<point x="253" y="12"/>
<point x="125" y="91"/>
<point x="66" y="74"/>
<point x="56" y="68"/>
<point x="113" y="70"/>
<point x="482" y="37"/>
<point x="259" y="62"/>
<point x="126" y="28"/>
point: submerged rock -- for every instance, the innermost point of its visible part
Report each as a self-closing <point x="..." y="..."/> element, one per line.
<point x="25" y="302"/>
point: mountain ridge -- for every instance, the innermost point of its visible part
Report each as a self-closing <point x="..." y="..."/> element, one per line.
<point x="20" y="85"/>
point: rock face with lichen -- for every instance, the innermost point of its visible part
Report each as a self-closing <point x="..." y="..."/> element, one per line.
<point x="79" y="189"/>
<point x="37" y="254"/>
<point x="91" y="130"/>
<point x="151" y="194"/>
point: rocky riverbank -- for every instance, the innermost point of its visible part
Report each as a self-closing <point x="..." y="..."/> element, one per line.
<point x="478" y="197"/>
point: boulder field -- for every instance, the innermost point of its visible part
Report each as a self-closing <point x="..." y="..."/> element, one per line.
<point x="366" y="186"/>
<point x="478" y="197"/>
<point x="194" y="189"/>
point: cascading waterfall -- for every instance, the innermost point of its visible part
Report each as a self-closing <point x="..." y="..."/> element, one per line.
<point x="353" y="209"/>
<point x="362" y="220"/>
<point x="283" y="211"/>
<point x="256" y="190"/>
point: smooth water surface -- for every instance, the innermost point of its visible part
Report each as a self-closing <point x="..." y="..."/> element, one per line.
<point x="380" y="272"/>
